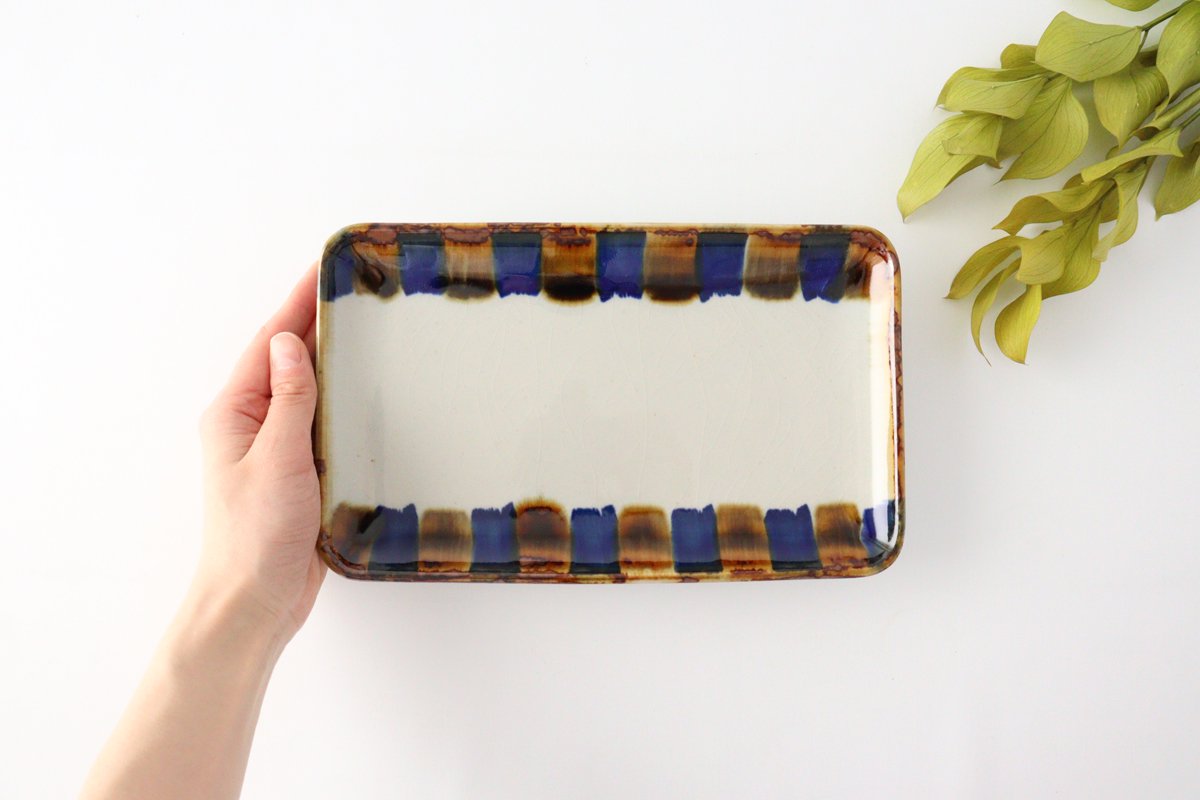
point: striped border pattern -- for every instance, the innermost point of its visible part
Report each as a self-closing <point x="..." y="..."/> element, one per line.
<point x="579" y="263"/>
<point x="538" y="541"/>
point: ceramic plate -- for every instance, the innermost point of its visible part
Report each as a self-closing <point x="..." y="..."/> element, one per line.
<point x="606" y="403"/>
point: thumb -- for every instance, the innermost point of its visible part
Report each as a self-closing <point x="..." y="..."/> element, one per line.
<point x="287" y="431"/>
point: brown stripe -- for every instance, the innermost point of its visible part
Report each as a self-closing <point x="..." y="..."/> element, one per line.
<point x="445" y="541"/>
<point x="378" y="268"/>
<point x="839" y="536"/>
<point x="347" y="536"/>
<point x="543" y="538"/>
<point x="669" y="266"/>
<point x="742" y="539"/>
<point x="870" y="250"/>
<point x="859" y="263"/>
<point x="772" y="266"/>
<point x="569" y="264"/>
<point x="645" y="542"/>
<point x="469" y="263"/>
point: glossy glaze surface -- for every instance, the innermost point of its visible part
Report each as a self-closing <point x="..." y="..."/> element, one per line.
<point x="609" y="403"/>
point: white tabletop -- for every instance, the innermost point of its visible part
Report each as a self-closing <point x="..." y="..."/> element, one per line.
<point x="167" y="174"/>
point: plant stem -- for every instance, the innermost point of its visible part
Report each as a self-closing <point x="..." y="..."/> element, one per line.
<point x="1162" y="19"/>
<point x="1195" y="116"/>
<point x="1179" y="109"/>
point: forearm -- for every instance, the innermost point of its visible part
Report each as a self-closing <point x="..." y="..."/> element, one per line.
<point x="188" y="730"/>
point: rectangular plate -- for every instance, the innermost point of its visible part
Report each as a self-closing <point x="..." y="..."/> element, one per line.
<point x="606" y="403"/>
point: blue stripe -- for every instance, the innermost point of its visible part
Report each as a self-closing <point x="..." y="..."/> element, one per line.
<point x="822" y="265"/>
<point x="721" y="257"/>
<point x="594" y="541"/>
<point x="619" y="263"/>
<point x="517" y="258"/>
<point x="337" y="269"/>
<point x="422" y="263"/>
<point x="620" y="267"/>
<point x="393" y="538"/>
<point x="395" y="534"/>
<point x="877" y="520"/>
<point x="494" y="531"/>
<point x="790" y="535"/>
<point x="694" y="539"/>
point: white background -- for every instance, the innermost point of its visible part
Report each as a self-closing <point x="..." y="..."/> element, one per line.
<point x="165" y="176"/>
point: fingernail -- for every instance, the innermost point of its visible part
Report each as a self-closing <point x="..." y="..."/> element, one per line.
<point x="285" y="351"/>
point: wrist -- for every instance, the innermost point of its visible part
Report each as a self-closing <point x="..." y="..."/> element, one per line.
<point x="223" y="621"/>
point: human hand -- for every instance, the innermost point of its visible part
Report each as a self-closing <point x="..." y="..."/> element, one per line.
<point x="188" y="728"/>
<point x="262" y="497"/>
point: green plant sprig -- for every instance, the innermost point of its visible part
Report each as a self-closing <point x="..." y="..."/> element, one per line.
<point x="1027" y="111"/>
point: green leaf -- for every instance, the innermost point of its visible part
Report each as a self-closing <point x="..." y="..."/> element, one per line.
<point x="1053" y="206"/>
<point x="934" y="167"/>
<point x="1125" y="98"/>
<point x="1163" y="144"/>
<point x="1133" y="5"/>
<point x="985" y="300"/>
<point x="1019" y="134"/>
<point x="1129" y="185"/>
<point x="1181" y="184"/>
<point x="1110" y="206"/>
<point x="1043" y="257"/>
<point x="988" y="75"/>
<point x="1179" y="48"/>
<point x="1017" y="55"/>
<point x="1167" y="113"/>
<point x="970" y="165"/>
<point x="979" y="137"/>
<point x="1063" y="133"/>
<point x="1015" y="322"/>
<point x="1004" y="98"/>
<point x="1081" y="266"/>
<point x="980" y="265"/>
<point x="1085" y="50"/>
<point x="1005" y="92"/>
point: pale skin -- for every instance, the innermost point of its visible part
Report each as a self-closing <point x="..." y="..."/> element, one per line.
<point x="188" y="729"/>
